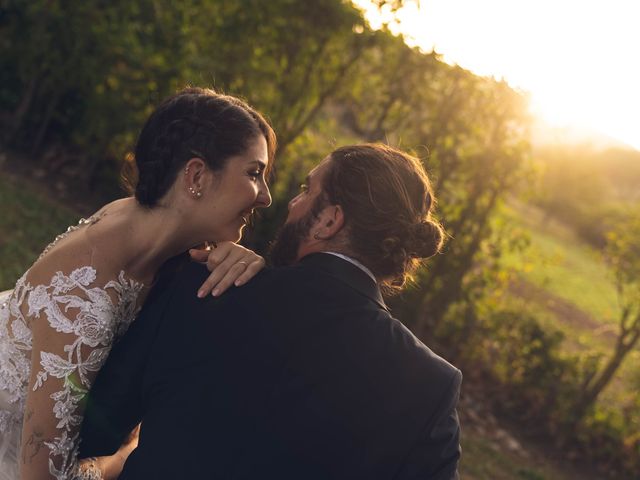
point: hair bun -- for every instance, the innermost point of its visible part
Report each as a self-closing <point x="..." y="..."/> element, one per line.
<point x="425" y="239"/>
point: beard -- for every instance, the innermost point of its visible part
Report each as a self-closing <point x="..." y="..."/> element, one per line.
<point x="284" y="249"/>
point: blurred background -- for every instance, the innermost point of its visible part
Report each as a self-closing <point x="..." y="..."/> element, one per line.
<point x="524" y="113"/>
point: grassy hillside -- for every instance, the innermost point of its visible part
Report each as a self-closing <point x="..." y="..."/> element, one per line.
<point x="569" y="284"/>
<point x="561" y="263"/>
<point x="29" y="221"/>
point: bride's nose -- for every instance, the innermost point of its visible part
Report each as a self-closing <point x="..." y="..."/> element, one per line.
<point x="264" y="197"/>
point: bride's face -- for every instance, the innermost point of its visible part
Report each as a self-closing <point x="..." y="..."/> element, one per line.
<point x="235" y="191"/>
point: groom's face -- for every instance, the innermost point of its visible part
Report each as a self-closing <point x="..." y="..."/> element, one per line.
<point x="292" y="240"/>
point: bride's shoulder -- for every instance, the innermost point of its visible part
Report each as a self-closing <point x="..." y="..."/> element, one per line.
<point x="74" y="276"/>
<point x="98" y="255"/>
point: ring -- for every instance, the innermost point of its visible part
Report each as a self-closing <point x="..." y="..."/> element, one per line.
<point x="244" y="263"/>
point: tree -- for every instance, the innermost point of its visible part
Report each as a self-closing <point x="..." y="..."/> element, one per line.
<point x="623" y="251"/>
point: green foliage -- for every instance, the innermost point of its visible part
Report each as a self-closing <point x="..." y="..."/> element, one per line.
<point x="624" y="257"/>
<point x="623" y="252"/>
<point x="28" y="223"/>
<point x="539" y="382"/>
<point x="524" y="355"/>
<point x="527" y="474"/>
<point x="107" y="64"/>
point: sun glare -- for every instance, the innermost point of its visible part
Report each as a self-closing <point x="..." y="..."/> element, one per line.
<point x="577" y="58"/>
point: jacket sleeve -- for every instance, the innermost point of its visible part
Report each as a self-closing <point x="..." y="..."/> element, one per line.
<point x="436" y="453"/>
<point x="116" y="400"/>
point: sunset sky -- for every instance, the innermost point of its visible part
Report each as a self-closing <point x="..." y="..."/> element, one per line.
<point x="579" y="59"/>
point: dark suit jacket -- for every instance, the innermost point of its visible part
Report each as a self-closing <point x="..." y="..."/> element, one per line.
<point x="300" y="374"/>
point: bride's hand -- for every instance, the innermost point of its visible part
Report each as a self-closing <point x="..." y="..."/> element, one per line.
<point x="230" y="264"/>
<point x="111" y="466"/>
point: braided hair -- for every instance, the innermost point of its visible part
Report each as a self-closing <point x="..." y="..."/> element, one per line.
<point x="195" y="122"/>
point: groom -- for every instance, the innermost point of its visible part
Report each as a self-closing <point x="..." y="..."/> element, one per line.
<point x="302" y="373"/>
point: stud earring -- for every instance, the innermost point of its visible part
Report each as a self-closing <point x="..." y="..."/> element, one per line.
<point x="194" y="192"/>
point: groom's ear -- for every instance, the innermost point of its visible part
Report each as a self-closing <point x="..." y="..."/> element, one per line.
<point x="331" y="221"/>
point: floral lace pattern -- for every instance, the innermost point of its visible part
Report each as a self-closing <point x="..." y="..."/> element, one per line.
<point x="93" y="317"/>
<point x="15" y="346"/>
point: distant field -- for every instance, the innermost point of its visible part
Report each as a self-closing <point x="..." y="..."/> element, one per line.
<point x="559" y="262"/>
<point x="571" y="287"/>
<point x="28" y="222"/>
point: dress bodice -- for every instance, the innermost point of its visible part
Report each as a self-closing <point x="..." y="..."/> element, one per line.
<point x="89" y="315"/>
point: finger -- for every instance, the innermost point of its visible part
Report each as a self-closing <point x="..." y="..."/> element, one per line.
<point x="198" y="255"/>
<point x="217" y="257"/>
<point x="229" y="279"/>
<point x="219" y="269"/>
<point x="214" y="278"/>
<point x="250" y="272"/>
<point x="221" y="262"/>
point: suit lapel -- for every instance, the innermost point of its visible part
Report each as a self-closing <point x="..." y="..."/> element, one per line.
<point x="347" y="273"/>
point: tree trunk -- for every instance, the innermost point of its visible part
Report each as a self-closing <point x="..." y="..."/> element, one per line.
<point x="626" y="341"/>
<point x="18" y="116"/>
<point x="44" y="126"/>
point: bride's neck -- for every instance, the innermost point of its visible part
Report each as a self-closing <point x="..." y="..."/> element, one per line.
<point x="151" y="237"/>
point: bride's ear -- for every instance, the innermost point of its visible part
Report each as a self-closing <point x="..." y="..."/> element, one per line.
<point x="196" y="176"/>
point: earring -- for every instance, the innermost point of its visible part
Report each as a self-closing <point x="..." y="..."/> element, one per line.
<point x="194" y="192"/>
<point x="316" y="236"/>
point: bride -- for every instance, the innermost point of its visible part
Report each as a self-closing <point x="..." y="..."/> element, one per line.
<point x="202" y="160"/>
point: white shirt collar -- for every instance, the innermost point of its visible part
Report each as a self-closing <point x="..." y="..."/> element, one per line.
<point x="356" y="263"/>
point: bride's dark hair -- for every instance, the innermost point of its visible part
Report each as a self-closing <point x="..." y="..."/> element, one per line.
<point x="195" y="122"/>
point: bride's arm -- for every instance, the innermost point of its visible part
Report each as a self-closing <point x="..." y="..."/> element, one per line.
<point x="110" y="467"/>
<point x="72" y="337"/>
<point x="230" y="264"/>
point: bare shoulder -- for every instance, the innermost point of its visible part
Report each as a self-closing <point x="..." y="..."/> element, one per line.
<point x="94" y="244"/>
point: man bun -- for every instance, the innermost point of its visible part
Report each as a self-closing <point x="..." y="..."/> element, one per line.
<point x="425" y="239"/>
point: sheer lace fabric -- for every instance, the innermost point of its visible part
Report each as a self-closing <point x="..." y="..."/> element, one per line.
<point x="77" y="316"/>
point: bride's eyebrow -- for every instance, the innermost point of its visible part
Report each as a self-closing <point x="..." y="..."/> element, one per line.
<point x="260" y="164"/>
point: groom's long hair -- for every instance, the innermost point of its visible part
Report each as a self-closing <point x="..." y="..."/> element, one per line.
<point x="387" y="201"/>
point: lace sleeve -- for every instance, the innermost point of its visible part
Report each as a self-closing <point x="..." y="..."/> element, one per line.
<point x="73" y="325"/>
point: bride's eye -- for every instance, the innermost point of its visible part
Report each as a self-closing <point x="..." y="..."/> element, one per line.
<point x="255" y="174"/>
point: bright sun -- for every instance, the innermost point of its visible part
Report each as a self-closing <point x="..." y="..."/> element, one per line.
<point x="577" y="58"/>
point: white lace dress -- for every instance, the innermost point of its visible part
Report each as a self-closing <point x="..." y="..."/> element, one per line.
<point x="89" y="316"/>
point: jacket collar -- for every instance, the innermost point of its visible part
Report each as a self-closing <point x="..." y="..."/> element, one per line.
<point x="347" y="273"/>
